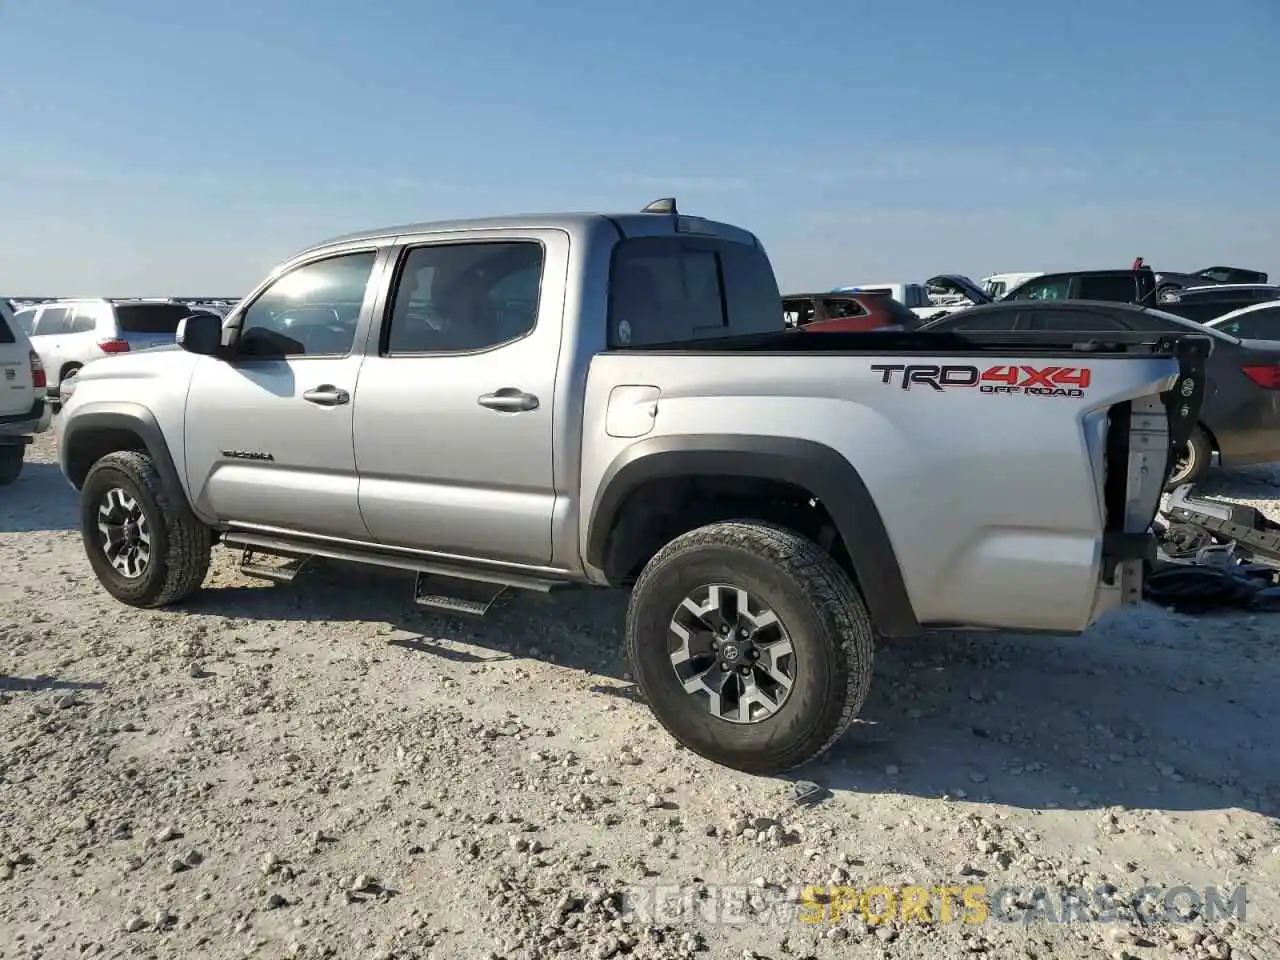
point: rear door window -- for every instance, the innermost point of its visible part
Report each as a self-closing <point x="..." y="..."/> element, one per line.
<point x="844" y="309"/>
<point x="153" y="318"/>
<point x="1117" y="288"/>
<point x="798" y="313"/>
<point x="1054" y="288"/>
<point x="84" y="318"/>
<point x="53" y="320"/>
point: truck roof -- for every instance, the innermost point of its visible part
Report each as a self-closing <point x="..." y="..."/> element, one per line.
<point x="628" y="224"/>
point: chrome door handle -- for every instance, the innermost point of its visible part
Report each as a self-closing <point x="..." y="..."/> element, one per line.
<point x="327" y="395"/>
<point x="508" y="399"/>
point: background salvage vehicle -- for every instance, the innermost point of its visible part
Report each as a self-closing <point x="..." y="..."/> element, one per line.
<point x="539" y="402"/>
<point x="23" y="409"/>
<point x="846" y="312"/>
<point x="1240" y="418"/>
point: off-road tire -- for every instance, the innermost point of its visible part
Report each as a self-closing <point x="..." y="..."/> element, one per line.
<point x="1200" y="449"/>
<point x="181" y="544"/>
<point x="820" y="609"/>
<point x="12" y="456"/>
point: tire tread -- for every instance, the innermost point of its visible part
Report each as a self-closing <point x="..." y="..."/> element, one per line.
<point x="830" y="590"/>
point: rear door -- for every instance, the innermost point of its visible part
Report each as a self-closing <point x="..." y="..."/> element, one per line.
<point x="50" y="339"/>
<point x="16" y="393"/>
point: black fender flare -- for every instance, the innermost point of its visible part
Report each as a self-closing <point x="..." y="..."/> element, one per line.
<point x="115" y="416"/>
<point x="821" y="470"/>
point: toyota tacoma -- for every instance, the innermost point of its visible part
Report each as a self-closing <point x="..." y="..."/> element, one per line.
<point x="531" y="403"/>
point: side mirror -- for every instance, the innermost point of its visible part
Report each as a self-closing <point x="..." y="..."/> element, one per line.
<point x="200" y="333"/>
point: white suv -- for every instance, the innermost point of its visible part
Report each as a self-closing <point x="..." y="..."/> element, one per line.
<point x="69" y="333"/>
<point x="23" y="410"/>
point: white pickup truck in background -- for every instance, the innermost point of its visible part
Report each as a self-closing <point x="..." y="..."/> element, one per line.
<point x="936" y="297"/>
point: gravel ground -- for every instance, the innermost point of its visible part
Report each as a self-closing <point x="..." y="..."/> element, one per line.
<point x="321" y="769"/>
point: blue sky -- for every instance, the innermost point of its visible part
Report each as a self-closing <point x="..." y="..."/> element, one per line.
<point x="155" y="147"/>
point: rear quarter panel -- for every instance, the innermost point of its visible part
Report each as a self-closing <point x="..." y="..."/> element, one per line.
<point x="992" y="502"/>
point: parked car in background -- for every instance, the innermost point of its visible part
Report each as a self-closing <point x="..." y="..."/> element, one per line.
<point x="1258" y="321"/>
<point x="1167" y="282"/>
<point x="70" y="333"/>
<point x="846" y="311"/>
<point x="23" y="411"/>
<point x="1203" y="304"/>
<point x="1118" y="286"/>
<point x="913" y="296"/>
<point x="1240" y="418"/>
<point x="997" y="285"/>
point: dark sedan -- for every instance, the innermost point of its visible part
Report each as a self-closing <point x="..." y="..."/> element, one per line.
<point x="1240" y="420"/>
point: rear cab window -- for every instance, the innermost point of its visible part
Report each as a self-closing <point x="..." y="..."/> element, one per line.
<point x="153" y="318"/>
<point x="666" y="290"/>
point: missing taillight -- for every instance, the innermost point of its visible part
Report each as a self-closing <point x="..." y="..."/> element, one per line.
<point x="38" y="379"/>
<point x="114" y="346"/>
<point x="1266" y="376"/>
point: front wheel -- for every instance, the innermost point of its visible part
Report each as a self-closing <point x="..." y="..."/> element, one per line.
<point x="751" y="645"/>
<point x="147" y="550"/>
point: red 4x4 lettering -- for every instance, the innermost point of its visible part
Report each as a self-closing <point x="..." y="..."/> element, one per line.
<point x="1021" y="376"/>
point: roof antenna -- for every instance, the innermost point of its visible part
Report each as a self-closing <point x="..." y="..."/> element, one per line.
<point x="665" y="205"/>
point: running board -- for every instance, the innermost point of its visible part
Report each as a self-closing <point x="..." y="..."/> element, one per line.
<point x="277" y="573"/>
<point x="256" y="543"/>
<point x="456" y="595"/>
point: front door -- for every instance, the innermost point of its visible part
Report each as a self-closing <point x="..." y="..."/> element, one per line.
<point x="269" y="431"/>
<point x="454" y="411"/>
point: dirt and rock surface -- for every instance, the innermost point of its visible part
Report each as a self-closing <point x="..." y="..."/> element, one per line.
<point x="322" y="769"/>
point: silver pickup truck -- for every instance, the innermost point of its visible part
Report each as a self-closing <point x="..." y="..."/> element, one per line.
<point x="614" y="400"/>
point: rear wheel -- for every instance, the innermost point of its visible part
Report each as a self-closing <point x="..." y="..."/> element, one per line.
<point x="1194" y="459"/>
<point x="11" y="459"/>
<point x="751" y="645"/>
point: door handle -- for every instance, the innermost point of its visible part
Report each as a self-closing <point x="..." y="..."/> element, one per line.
<point x="327" y="395"/>
<point x="508" y="399"/>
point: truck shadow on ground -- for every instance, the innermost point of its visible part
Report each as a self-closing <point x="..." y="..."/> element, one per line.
<point x="40" y="499"/>
<point x="1110" y="718"/>
<point x="1132" y="713"/>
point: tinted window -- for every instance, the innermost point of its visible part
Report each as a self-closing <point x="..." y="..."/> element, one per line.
<point x="990" y="320"/>
<point x="1053" y="289"/>
<point x="26" y="319"/>
<point x="53" y="320"/>
<point x="843" y="309"/>
<point x="1118" y="288"/>
<point x="150" y="317"/>
<point x="671" y="289"/>
<point x="7" y="323"/>
<point x="1261" y="324"/>
<point x="458" y="297"/>
<point x="1077" y="321"/>
<point x="995" y="289"/>
<point x="916" y="296"/>
<point x="310" y="311"/>
<point x="798" y="313"/>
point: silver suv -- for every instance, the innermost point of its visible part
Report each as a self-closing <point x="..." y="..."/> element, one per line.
<point x="67" y="334"/>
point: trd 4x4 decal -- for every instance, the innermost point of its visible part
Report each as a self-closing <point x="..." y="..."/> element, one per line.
<point x="1002" y="378"/>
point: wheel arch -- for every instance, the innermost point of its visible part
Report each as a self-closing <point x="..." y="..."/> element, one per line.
<point x="97" y="429"/>
<point x="652" y="485"/>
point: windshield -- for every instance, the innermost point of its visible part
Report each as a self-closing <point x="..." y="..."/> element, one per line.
<point x="1191" y="325"/>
